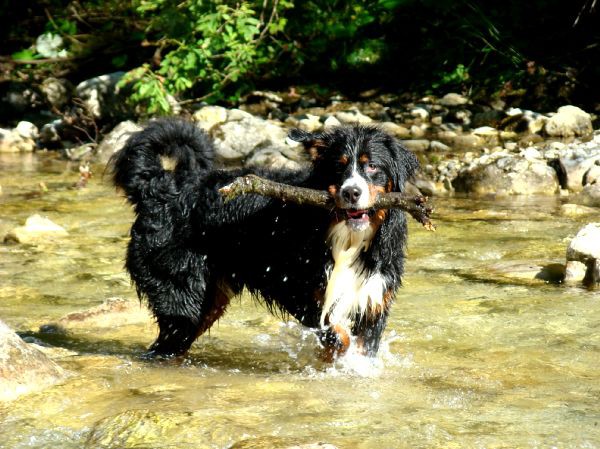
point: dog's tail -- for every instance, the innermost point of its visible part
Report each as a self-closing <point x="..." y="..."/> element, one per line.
<point x="141" y="167"/>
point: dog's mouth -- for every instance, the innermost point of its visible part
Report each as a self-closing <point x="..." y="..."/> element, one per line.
<point x="357" y="219"/>
<point x="357" y="215"/>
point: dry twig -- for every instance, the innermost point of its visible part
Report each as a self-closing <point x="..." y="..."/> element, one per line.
<point x="416" y="206"/>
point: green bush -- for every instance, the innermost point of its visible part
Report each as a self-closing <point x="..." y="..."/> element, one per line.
<point x="213" y="49"/>
<point x="219" y="50"/>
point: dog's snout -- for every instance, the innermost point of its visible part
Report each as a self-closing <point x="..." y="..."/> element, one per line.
<point x="351" y="194"/>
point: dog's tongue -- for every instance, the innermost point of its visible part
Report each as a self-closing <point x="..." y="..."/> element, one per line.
<point x="356" y="214"/>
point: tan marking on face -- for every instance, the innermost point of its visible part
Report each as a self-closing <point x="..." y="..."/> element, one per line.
<point x="344" y="159"/>
<point x="374" y="191"/>
<point x="378" y="218"/>
<point x="363" y="159"/>
<point x="389" y="186"/>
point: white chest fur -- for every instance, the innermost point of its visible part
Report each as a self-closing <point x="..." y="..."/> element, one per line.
<point x="350" y="290"/>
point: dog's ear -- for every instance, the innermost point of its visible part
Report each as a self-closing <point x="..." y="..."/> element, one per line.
<point x="405" y="164"/>
<point x="313" y="142"/>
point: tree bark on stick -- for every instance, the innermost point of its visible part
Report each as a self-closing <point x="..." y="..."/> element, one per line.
<point x="415" y="205"/>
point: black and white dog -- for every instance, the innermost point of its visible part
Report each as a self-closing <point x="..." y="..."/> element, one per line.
<point x="333" y="270"/>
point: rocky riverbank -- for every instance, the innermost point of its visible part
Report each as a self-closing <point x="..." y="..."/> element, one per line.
<point x="464" y="148"/>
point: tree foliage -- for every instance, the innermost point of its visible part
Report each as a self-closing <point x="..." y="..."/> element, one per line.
<point x="218" y="50"/>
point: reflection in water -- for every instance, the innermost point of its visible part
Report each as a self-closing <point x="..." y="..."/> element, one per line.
<point x="476" y="353"/>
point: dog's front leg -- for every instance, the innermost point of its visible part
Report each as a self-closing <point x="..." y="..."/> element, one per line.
<point x="335" y="340"/>
<point x="368" y="333"/>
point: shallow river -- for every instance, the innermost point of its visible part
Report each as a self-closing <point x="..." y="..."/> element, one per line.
<point x="473" y="357"/>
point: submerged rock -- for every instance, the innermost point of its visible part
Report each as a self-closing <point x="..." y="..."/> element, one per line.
<point x="36" y="228"/>
<point x="112" y="312"/>
<point x="269" y="442"/>
<point x="137" y="428"/>
<point x="575" y="210"/>
<point x="584" y="249"/>
<point x="23" y="368"/>
<point x="522" y="272"/>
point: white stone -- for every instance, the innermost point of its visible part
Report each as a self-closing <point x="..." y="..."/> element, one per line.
<point x="419" y="113"/>
<point x="331" y="122"/>
<point x="485" y="131"/>
<point x="586" y="244"/>
<point x="453" y="99"/>
<point x="574" y="271"/>
<point x="36" y="228"/>
<point x="399" y="131"/>
<point x="353" y="117"/>
<point x="115" y="139"/>
<point x="311" y="123"/>
<point x="27" y="130"/>
<point x="209" y="116"/>
<point x="569" y="121"/>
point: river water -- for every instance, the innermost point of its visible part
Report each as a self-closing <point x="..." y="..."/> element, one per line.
<point x="476" y="354"/>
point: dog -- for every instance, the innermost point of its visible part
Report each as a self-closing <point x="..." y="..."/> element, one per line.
<point x="336" y="271"/>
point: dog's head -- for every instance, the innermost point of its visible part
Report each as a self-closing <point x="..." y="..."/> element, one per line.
<point x="356" y="163"/>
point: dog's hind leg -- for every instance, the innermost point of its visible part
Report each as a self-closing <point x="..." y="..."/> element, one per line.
<point x="177" y="332"/>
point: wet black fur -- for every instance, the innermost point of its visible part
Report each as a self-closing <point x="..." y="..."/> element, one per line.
<point x="186" y="243"/>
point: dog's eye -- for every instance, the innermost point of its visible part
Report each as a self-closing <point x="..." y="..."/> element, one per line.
<point x="371" y="168"/>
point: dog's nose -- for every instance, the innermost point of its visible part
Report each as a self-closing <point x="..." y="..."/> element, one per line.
<point x="351" y="194"/>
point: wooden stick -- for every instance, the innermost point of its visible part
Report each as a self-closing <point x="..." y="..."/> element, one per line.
<point x="416" y="206"/>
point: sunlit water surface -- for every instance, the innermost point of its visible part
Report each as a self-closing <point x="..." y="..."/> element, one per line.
<point x="472" y="358"/>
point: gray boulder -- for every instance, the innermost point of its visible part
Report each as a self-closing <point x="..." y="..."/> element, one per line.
<point x="590" y="195"/>
<point x="56" y="91"/>
<point x="569" y="121"/>
<point x="592" y="176"/>
<point x="243" y="135"/>
<point x="23" y="368"/>
<point x="503" y="173"/>
<point x="575" y="165"/>
<point x="584" y="251"/>
<point x="100" y="95"/>
<point x="115" y="140"/>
